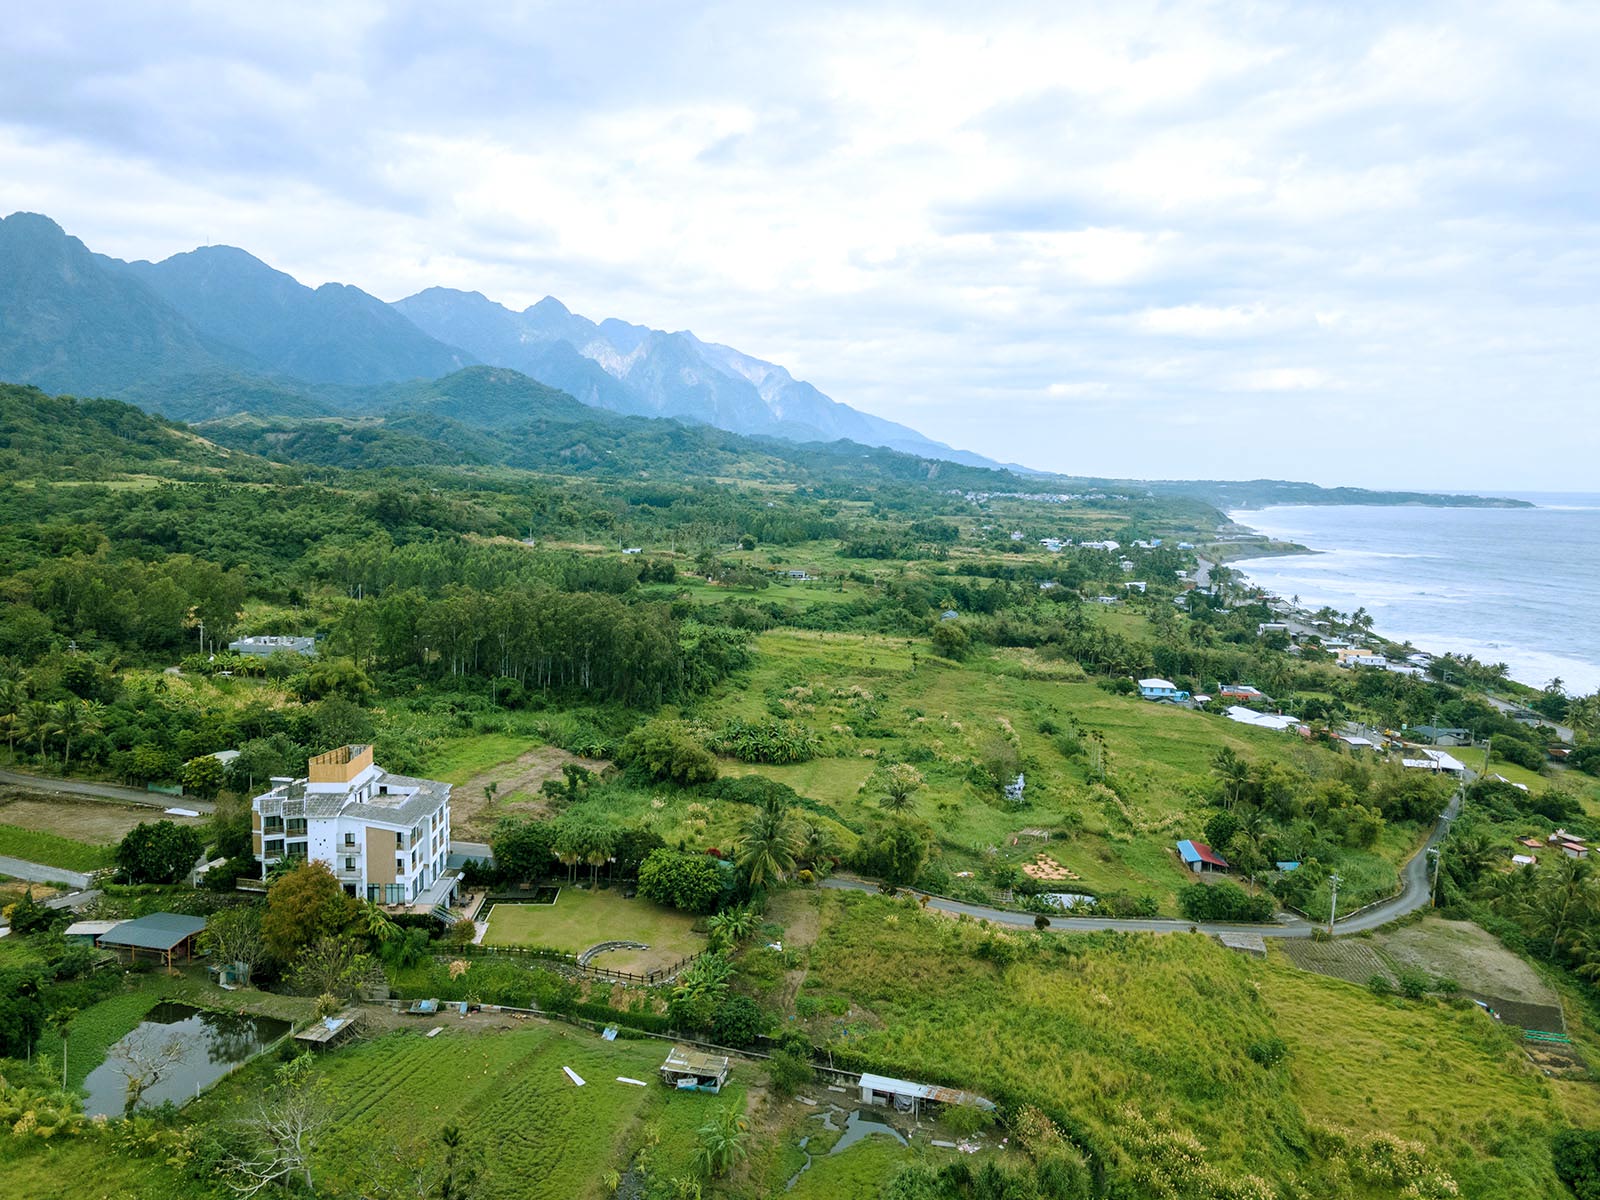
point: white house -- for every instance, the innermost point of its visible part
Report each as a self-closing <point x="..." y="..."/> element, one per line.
<point x="274" y="644"/>
<point x="1161" y="689"/>
<point x="385" y="837"/>
<point x="1135" y="585"/>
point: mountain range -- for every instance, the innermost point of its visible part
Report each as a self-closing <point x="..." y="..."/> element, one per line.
<point x="218" y="327"/>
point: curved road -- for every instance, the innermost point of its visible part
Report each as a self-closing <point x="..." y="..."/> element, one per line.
<point x="102" y="791"/>
<point x="1412" y="896"/>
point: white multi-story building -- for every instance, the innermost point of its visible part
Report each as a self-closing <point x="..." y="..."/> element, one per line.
<point x="385" y="837"/>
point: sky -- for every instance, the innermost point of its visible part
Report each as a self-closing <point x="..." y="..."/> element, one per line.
<point x="1345" y="242"/>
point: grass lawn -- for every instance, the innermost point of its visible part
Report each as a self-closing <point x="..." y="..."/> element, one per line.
<point x="52" y="850"/>
<point x="578" y="919"/>
<point x="459" y="761"/>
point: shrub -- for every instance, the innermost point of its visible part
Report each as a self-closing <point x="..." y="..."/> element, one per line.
<point x="1222" y="902"/>
<point x="1576" y="1153"/>
<point x="790" y="1071"/>
<point x="668" y="750"/>
<point x="738" y="1021"/>
<point x="1414" y="984"/>
<point x="1379" y="985"/>
<point x="767" y="742"/>
<point x="1268" y="1052"/>
<point x="690" y="882"/>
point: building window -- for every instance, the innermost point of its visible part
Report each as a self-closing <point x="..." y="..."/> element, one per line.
<point x="399" y="841"/>
<point x="399" y="866"/>
<point x="349" y="864"/>
<point x="272" y="848"/>
<point x="272" y="824"/>
<point x="297" y="850"/>
<point x="297" y="827"/>
<point x="350" y="840"/>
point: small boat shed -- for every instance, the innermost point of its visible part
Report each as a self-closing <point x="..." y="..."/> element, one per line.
<point x="907" y="1097"/>
<point x="164" y="934"/>
<point x="691" y="1070"/>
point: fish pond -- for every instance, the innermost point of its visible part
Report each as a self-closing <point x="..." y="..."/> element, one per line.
<point x="174" y="1053"/>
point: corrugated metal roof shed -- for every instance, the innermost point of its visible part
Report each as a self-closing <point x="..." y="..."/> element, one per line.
<point x="1192" y="852"/>
<point x="920" y="1091"/>
<point x="158" y="931"/>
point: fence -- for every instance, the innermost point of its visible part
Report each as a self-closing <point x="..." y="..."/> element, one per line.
<point x="574" y="962"/>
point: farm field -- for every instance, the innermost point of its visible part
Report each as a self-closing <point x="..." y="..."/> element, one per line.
<point x="50" y="849"/>
<point x="539" y="1135"/>
<point x="91" y="822"/>
<point x="579" y="919"/>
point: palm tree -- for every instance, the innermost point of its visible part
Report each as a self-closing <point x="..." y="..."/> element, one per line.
<point x="1233" y="773"/>
<point x="731" y="926"/>
<point x="1585" y="713"/>
<point x="900" y="783"/>
<point x="1565" y="891"/>
<point x="767" y="849"/>
<point x="11" y="699"/>
<point x="377" y="924"/>
<point x="76" y="718"/>
<point x="38" y="723"/>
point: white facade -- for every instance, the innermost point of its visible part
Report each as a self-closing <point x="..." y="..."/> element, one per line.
<point x="385" y="837"/>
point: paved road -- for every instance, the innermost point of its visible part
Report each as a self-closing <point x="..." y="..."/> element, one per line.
<point x="102" y="791"/>
<point x="1413" y="895"/>
<point x="1564" y="732"/>
<point x="33" y="872"/>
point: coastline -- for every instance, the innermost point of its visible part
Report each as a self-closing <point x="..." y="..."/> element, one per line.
<point x="1355" y="575"/>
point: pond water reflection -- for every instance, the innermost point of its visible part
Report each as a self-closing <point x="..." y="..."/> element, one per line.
<point x="173" y="1053"/>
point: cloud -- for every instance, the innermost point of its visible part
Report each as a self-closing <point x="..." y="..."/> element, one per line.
<point x="1099" y="237"/>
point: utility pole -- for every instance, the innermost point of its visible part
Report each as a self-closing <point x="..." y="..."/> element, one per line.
<point x="1333" y="900"/>
<point x="1433" y="892"/>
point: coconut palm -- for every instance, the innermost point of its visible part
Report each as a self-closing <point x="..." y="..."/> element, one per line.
<point x="76" y="718"/>
<point x="38" y="723"/>
<point x="1233" y="772"/>
<point x="11" y="700"/>
<point x="766" y="851"/>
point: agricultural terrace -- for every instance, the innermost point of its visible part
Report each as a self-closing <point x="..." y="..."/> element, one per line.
<point x="582" y="917"/>
<point x="1142" y="1042"/>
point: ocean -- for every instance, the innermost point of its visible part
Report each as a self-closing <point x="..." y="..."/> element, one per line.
<point x="1518" y="586"/>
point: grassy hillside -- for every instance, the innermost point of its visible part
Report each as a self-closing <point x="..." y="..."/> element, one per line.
<point x="1153" y="1047"/>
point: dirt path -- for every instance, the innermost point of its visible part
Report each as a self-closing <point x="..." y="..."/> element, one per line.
<point x="516" y="783"/>
<point x="1475" y="959"/>
<point x="802" y="922"/>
